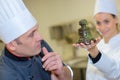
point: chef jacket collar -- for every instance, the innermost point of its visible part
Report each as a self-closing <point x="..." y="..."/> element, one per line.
<point x="11" y="56"/>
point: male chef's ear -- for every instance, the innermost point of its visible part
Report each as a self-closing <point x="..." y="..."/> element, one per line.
<point x="12" y="45"/>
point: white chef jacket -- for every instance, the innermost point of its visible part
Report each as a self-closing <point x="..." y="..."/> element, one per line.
<point x="108" y="67"/>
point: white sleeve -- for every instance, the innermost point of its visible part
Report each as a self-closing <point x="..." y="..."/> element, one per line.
<point x="109" y="66"/>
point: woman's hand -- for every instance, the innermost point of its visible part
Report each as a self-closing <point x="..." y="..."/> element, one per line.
<point x="91" y="48"/>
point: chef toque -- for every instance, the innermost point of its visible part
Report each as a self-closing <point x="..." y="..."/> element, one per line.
<point x="15" y="20"/>
<point x="107" y="6"/>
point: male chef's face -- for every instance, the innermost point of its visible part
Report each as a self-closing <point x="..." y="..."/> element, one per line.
<point x="29" y="43"/>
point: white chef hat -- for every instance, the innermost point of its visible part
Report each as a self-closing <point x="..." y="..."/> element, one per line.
<point x="15" y="20"/>
<point x="107" y="6"/>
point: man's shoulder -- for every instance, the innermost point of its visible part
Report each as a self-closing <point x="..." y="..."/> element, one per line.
<point x="6" y="73"/>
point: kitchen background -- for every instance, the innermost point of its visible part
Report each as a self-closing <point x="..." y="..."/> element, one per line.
<point x="59" y="24"/>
